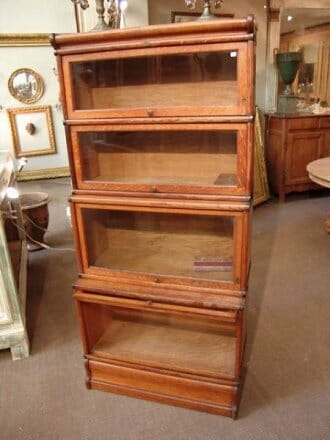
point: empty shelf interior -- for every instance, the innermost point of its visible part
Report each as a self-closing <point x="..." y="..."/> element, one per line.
<point x="169" y="342"/>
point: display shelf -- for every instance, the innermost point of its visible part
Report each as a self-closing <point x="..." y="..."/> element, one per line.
<point x="173" y="347"/>
<point x="207" y="94"/>
<point x="159" y="124"/>
<point x="176" y="339"/>
<point x="157" y="81"/>
<point x="195" y="256"/>
<point x="153" y="158"/>
<point x="203" y="246"/>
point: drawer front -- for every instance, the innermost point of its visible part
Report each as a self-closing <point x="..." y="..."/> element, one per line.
<point x="163" y="338"/>
<point x="176" y="158"/>
<point x="202" y="79"/>
<point x="163" y="245"/>
<point x="303" y="123"/>
<point x="203" y="396"/>
<point x="325" y="122"/>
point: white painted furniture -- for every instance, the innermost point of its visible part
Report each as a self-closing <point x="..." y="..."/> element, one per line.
<point x="13" y="266"/>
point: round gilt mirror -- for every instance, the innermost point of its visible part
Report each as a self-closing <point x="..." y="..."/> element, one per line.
<point x="26" y="85"/>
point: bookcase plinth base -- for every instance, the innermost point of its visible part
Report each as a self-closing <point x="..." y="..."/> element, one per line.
<point x="195" y="394"/>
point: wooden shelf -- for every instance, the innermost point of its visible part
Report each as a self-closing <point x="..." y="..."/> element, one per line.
<point x="222" y="179"/>
<point x="208" y="94"/>
<point x="166" y="253"/>
<point x="209" y="353"/>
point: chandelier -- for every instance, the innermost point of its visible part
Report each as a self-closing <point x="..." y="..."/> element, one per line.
<point x="207" y="14"/>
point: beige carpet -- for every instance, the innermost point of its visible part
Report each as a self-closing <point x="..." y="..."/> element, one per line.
<point x="287" y="390"/>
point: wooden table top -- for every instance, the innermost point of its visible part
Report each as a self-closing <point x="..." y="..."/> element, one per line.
<point x="319" y="171"/>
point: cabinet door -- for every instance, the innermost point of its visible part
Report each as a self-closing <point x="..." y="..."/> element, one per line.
<point x="326" y="147"/>
<point x="325" y="125"/>
<point x="176" y="158"/>
<point x="194" y="80"/>
<point x="302" y="148"/>
<point x="187" y="247"/>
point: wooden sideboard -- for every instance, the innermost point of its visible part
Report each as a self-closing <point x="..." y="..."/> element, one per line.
<point x="293" y="141"/>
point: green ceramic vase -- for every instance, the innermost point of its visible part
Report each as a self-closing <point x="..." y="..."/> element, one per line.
<point x="288" y="65"/>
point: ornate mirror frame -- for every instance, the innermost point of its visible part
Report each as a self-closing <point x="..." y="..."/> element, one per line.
<point x="40" y="87"/>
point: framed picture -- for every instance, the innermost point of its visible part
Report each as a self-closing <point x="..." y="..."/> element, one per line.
<point x="184" y="16"/>
<point x="32" y="131"/>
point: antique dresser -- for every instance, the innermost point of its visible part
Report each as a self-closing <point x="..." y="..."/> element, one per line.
<point x="159" y="124"/>
<point x="292" y="142"/>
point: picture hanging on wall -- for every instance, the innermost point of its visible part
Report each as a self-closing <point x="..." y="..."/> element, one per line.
<point x="26" y="85"/>
<point x="32" y="131"/>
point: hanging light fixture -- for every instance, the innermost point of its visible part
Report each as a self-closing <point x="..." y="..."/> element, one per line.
<point x="207" y="14"/>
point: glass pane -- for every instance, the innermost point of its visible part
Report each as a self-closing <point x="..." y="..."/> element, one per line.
<point x="209" y="79"/>
<point x="181" y="343"/>
<point x="169" y="244"/>
<point x="160" y="157"/>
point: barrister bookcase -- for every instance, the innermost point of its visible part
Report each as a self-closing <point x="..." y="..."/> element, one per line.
<point x="159" y="124"/>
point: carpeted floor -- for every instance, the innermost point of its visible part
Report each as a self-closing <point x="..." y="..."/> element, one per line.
<point x="287" y="389"/>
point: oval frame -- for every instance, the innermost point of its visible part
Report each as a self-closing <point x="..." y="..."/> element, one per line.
<point x="39" y="81"/>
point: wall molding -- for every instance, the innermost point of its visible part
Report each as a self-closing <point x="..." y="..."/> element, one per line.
<point x="8" y="40"/>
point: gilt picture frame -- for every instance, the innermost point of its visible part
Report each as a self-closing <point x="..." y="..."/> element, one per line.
<point x="32" y="131"/>
<point x="26" y="85"/>
<point x="24" y="40"/>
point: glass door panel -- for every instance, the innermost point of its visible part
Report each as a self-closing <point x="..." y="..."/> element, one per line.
<point x="158" y="157"/>
<point x="180" y="245"/>
<point x="203" y="79"/>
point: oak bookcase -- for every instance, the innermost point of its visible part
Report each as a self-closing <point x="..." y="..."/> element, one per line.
<point x="159" y="124"/>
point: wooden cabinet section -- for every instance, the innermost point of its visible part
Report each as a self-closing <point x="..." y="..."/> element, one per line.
<point x="139" y="244"/>
<point x="153" y="158"/>
<point x="293" y="141"/>
<point x="159" y="125"/>
<point x="157" y="81"/>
